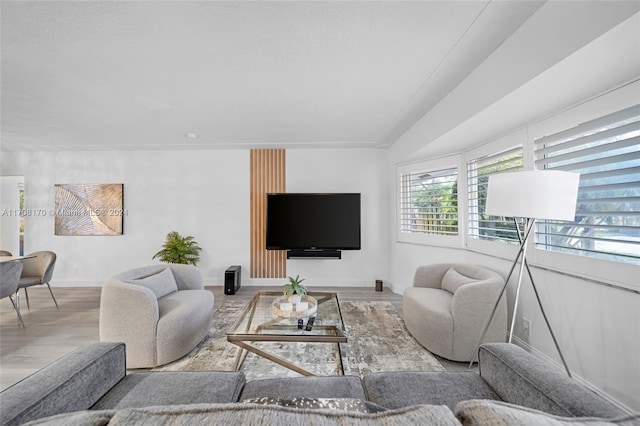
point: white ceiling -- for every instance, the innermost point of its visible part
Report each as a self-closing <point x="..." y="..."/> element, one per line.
<point x="144" y="75"/>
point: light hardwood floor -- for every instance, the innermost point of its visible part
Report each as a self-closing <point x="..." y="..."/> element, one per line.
<point x="52" y="333"/>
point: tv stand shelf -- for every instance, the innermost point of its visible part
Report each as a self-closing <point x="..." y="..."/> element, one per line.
<point x="314" y="254"/>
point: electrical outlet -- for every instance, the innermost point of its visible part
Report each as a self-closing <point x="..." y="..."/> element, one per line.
<point x="526" y="327"/>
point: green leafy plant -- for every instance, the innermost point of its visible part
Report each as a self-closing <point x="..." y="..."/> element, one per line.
<point x="179" y="249"/>
<point x="294" y="287"/>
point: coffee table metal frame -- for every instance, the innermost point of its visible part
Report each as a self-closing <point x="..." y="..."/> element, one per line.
<point x="279" y="329"/>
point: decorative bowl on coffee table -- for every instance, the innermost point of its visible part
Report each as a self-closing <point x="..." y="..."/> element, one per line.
<point x="285" y="309"/>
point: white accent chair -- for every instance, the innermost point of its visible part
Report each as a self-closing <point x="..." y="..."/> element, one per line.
<point x="160" y="312"/>
<point x="449" y="305"/>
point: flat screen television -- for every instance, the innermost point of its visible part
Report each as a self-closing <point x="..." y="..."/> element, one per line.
<point x="313" y="221"/>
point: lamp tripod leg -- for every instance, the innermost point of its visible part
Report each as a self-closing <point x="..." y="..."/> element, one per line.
<point x="486" y="328"/>
<point x="546" y="320"/>
<point x="528" y="228"/>
<point x="495" y="307"/>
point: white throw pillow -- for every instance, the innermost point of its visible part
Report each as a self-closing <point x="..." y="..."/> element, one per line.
<point x="453" y="279"/>
<point x="161" y="283"/>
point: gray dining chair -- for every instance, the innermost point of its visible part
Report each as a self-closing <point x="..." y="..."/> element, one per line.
<point x="37" y="270"/>
<point x="9" y="278"/>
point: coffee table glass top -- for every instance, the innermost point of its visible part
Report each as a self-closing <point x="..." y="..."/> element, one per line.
<point x="258" y="319"/>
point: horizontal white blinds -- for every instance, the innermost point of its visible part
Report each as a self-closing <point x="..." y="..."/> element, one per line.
<point x="481" y="225"/>
<point x="429" y="202"/>
<point x="606" y="153"/>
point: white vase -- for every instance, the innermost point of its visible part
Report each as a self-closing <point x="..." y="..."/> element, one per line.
<point x="295" y="298"/>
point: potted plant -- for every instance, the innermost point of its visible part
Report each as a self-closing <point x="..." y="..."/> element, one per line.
<point x="179" y="249"/>
<point x="294" y="290"/>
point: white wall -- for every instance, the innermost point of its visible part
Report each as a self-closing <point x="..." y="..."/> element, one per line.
<point x="204" y="194"/>
<point x="9" y="213"/>
<point x="346" y="170"/>
<point x="199" y="193"/>
<point x="597" y="325"/>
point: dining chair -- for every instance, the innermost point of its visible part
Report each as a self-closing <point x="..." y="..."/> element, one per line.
<point x="5" y="253"/>
<point x="38" y="270"/>
<point x="9" y="278"/>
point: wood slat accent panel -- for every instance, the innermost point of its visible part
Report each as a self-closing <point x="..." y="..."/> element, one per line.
<point x="267" y="176"/>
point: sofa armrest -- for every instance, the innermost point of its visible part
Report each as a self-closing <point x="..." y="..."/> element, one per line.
<point x="72" y="383"/>
<point x="129" y="313"/>
<point x="472" y="305"/>
<point x="188" y="277"/>
<point x="520" y="378"/>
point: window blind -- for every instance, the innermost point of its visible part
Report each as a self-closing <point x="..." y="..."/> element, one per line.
<point x="429" y="202"/>
<point x="481" y="225"/>
<point x="606" y="153"/>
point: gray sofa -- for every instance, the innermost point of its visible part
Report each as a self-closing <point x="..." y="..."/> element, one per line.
<point x="160" y="312"/>
<point x="91" y="386"/>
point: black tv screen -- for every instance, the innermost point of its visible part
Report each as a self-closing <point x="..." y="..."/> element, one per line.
<point x="313" y="221"/>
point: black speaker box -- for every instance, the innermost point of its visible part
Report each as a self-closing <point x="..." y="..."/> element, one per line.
<point x="232" y="279"/>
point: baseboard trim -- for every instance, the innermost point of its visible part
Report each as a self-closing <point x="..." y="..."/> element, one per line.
<point x="545" y="358"/>
<point x="76" y="283"/>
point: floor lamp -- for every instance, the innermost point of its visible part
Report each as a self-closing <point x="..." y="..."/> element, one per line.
<point x="531" y="195"/>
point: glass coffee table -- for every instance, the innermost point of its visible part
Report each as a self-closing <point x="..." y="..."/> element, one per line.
<point x="259" y="323"/>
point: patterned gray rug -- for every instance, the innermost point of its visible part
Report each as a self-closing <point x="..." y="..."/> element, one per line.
<point x="377" y="341"/>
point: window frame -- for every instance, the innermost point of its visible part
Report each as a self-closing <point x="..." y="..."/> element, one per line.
<point x="580" y="149"/>
<point x="510" y="141"/>
<point x="443" y="163"/>
<point x="602" y="270"/>
<point x="618" y="274"/>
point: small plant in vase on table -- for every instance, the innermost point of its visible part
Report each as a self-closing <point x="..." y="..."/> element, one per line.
<point x="295" y="301"/>
<point x="294" y="290"/>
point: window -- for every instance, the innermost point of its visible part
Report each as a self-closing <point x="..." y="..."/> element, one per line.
<point x="482" y="226"/>
<point x="606" y="153"/>
<point x="429" y="202"/>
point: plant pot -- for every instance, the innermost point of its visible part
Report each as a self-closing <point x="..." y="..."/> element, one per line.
<point x="295" y="298"/>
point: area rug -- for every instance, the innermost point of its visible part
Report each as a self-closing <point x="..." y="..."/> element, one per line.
<point x="377" y="341"/>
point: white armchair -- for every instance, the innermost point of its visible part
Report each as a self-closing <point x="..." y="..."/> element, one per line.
<point x="160" y="312"/>
<point x="449" y="305"/>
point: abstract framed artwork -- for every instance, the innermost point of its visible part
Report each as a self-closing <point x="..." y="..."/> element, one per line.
<point x="89" y="209"/>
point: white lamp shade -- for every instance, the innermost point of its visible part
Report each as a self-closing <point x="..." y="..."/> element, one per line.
<point x="548" y="194"/>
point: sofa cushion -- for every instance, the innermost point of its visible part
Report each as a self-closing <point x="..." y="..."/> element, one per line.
<point x="402" y="389"/>
<point x="250" y="414"/>
<point x="305" y="387"/>
<point x="160" y="283"/>
<point x="433" y="300"/>
<point x="453" y="279"/>
<point x="478" y="413"/>
<point x="341" y="404"/>
<point x="428" y="317"/>
<point x="520" y="378"/>
<point x="173" y="388"/>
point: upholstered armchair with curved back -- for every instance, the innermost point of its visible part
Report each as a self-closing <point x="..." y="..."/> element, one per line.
<point x="160" y="312"/>
<point x="38" y="270"/>
<point x="9" y="277"/>
<point x="449" y="305"/>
